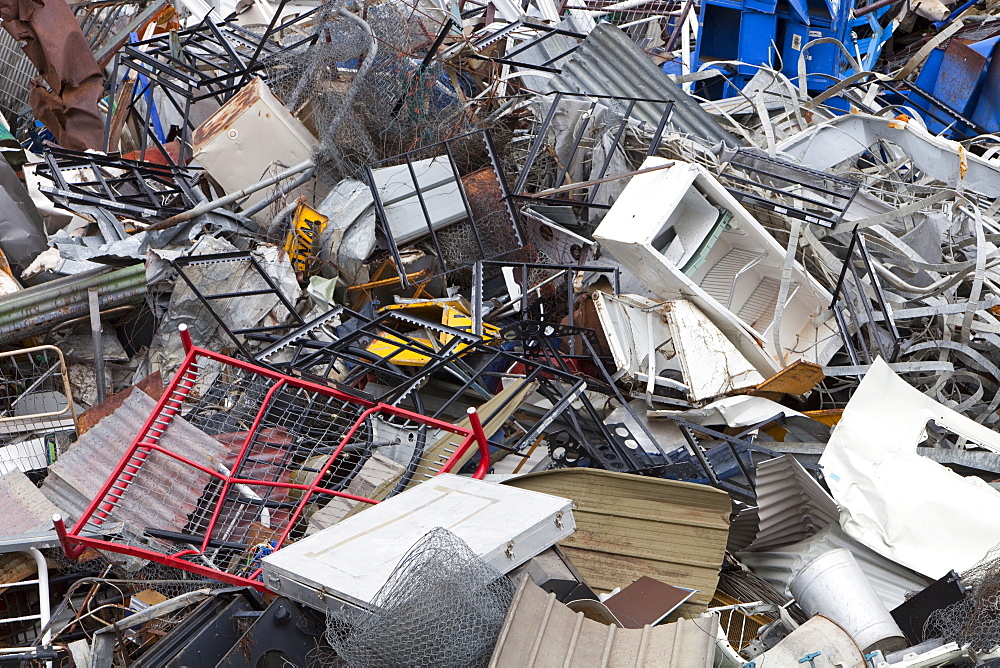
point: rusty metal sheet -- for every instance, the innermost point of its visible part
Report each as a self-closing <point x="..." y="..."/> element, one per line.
<point x="80" y="473"/>
<point x="151" y="385"/>
<point x="56" y="46"/>
<point x="795" y="379"/>
<point x="23" y="507"/>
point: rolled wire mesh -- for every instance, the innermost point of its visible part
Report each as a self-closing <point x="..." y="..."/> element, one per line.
<point x="363" y="91"/>
<point x="442" y="606"/>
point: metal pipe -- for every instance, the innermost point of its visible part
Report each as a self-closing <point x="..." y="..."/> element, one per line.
<point x="93" y="301"/>
<point x="868" y="9"/>
<point x="280" y="192"/>
<point x="37" y="309"/>
<point x="43" y="593"/>
<point x="232" y="197"/>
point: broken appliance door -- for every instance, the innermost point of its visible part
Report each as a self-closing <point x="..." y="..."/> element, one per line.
<point x="659" y="344"/>
<point x="681" y="232"/>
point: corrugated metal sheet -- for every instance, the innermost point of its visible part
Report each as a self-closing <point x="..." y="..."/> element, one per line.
<point x="891" y="581"/>
<point x="23" y="507"/>
<point x="792" y="505"/>
<point x="609" y="63"/>
<point x="629" y="526"/>
<point x="743" y="528"/>
<point x="541" y="631"/>
<point x="77" y="477"/>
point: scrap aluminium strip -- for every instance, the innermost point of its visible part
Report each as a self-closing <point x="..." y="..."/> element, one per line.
<point x="284" y="447"/>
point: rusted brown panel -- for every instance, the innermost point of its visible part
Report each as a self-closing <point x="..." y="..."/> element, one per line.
<point x="151" y="385"/>
<point x="56" y="46"/>
<point x="228" y="113"/>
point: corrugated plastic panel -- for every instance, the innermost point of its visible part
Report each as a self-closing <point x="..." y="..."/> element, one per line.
<point x="792" y="505"/>
<point x="891" y="581"/>
<point x="541" y="631"/>
<point x="629" y="526"/>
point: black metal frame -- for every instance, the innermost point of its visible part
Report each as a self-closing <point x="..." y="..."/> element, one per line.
<point x="316" y="357"/>
<point x="533" y="307"/>
<point x="444" y="149"/>
<point x="541" y="139"/>
<point x="145" y="191"/>
<point x="204" y="61"/>
<point x="573" y="351"/>
<point x="777" y="179"/>
<point x="509" y="57"/>
<point x="869" y="339"/>
<point x="741" y="447"/>
<point x="207" y="298"/>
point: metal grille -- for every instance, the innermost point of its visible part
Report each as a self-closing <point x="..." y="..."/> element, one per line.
<point x="457" y="190"/>
<point x="146" y="191"/>
<point x="16" y="72"/>
<point x="36" y="403"/>
<point x="214" y="483"/>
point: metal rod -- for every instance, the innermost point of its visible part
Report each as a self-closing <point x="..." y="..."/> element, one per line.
<point x="93" y="297"/>
<point x="229" y="199"/>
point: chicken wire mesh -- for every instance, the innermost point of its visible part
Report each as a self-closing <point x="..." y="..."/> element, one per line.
<point x="362" y="90"/>
<point x="975" y="620"/>
<point x="36" y="405"/>
<point x="442" y="606"/>
<point x="218" y="479"/>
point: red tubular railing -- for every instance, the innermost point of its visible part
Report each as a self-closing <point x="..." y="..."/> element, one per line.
<point x="73" y="541"/>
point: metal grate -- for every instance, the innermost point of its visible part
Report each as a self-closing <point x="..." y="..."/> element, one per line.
<point x="787" y="189"/>
<point x="214" y="483"/>
<point x="16" y="72"/>
<point x="142" y="190"/>
<point x="457" y="194"/>
<point x="36" y="402"/>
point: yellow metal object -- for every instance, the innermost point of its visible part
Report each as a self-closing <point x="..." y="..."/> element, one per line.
<point x="452" y="314"/>
<point x="307" y="225"/>
<point x="398" y="354"/>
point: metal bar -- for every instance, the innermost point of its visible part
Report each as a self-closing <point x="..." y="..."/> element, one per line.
<point x="98" y="340"/>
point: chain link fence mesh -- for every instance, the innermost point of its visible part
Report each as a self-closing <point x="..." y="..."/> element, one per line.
<point x="442" y="606"/>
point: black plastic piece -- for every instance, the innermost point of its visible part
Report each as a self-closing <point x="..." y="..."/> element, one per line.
<point x="913" y="613"/>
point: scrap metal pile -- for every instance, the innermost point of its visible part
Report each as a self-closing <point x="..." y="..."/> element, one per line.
<point x="415" y="332"/>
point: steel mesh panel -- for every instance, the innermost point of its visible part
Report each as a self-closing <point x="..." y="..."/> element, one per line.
<point x="16" y="72"/>
<point x="442" y="606"/>
<point x="36" y="402"/>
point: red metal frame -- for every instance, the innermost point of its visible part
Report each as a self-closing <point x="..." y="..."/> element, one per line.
<point x="170" y="405"/>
